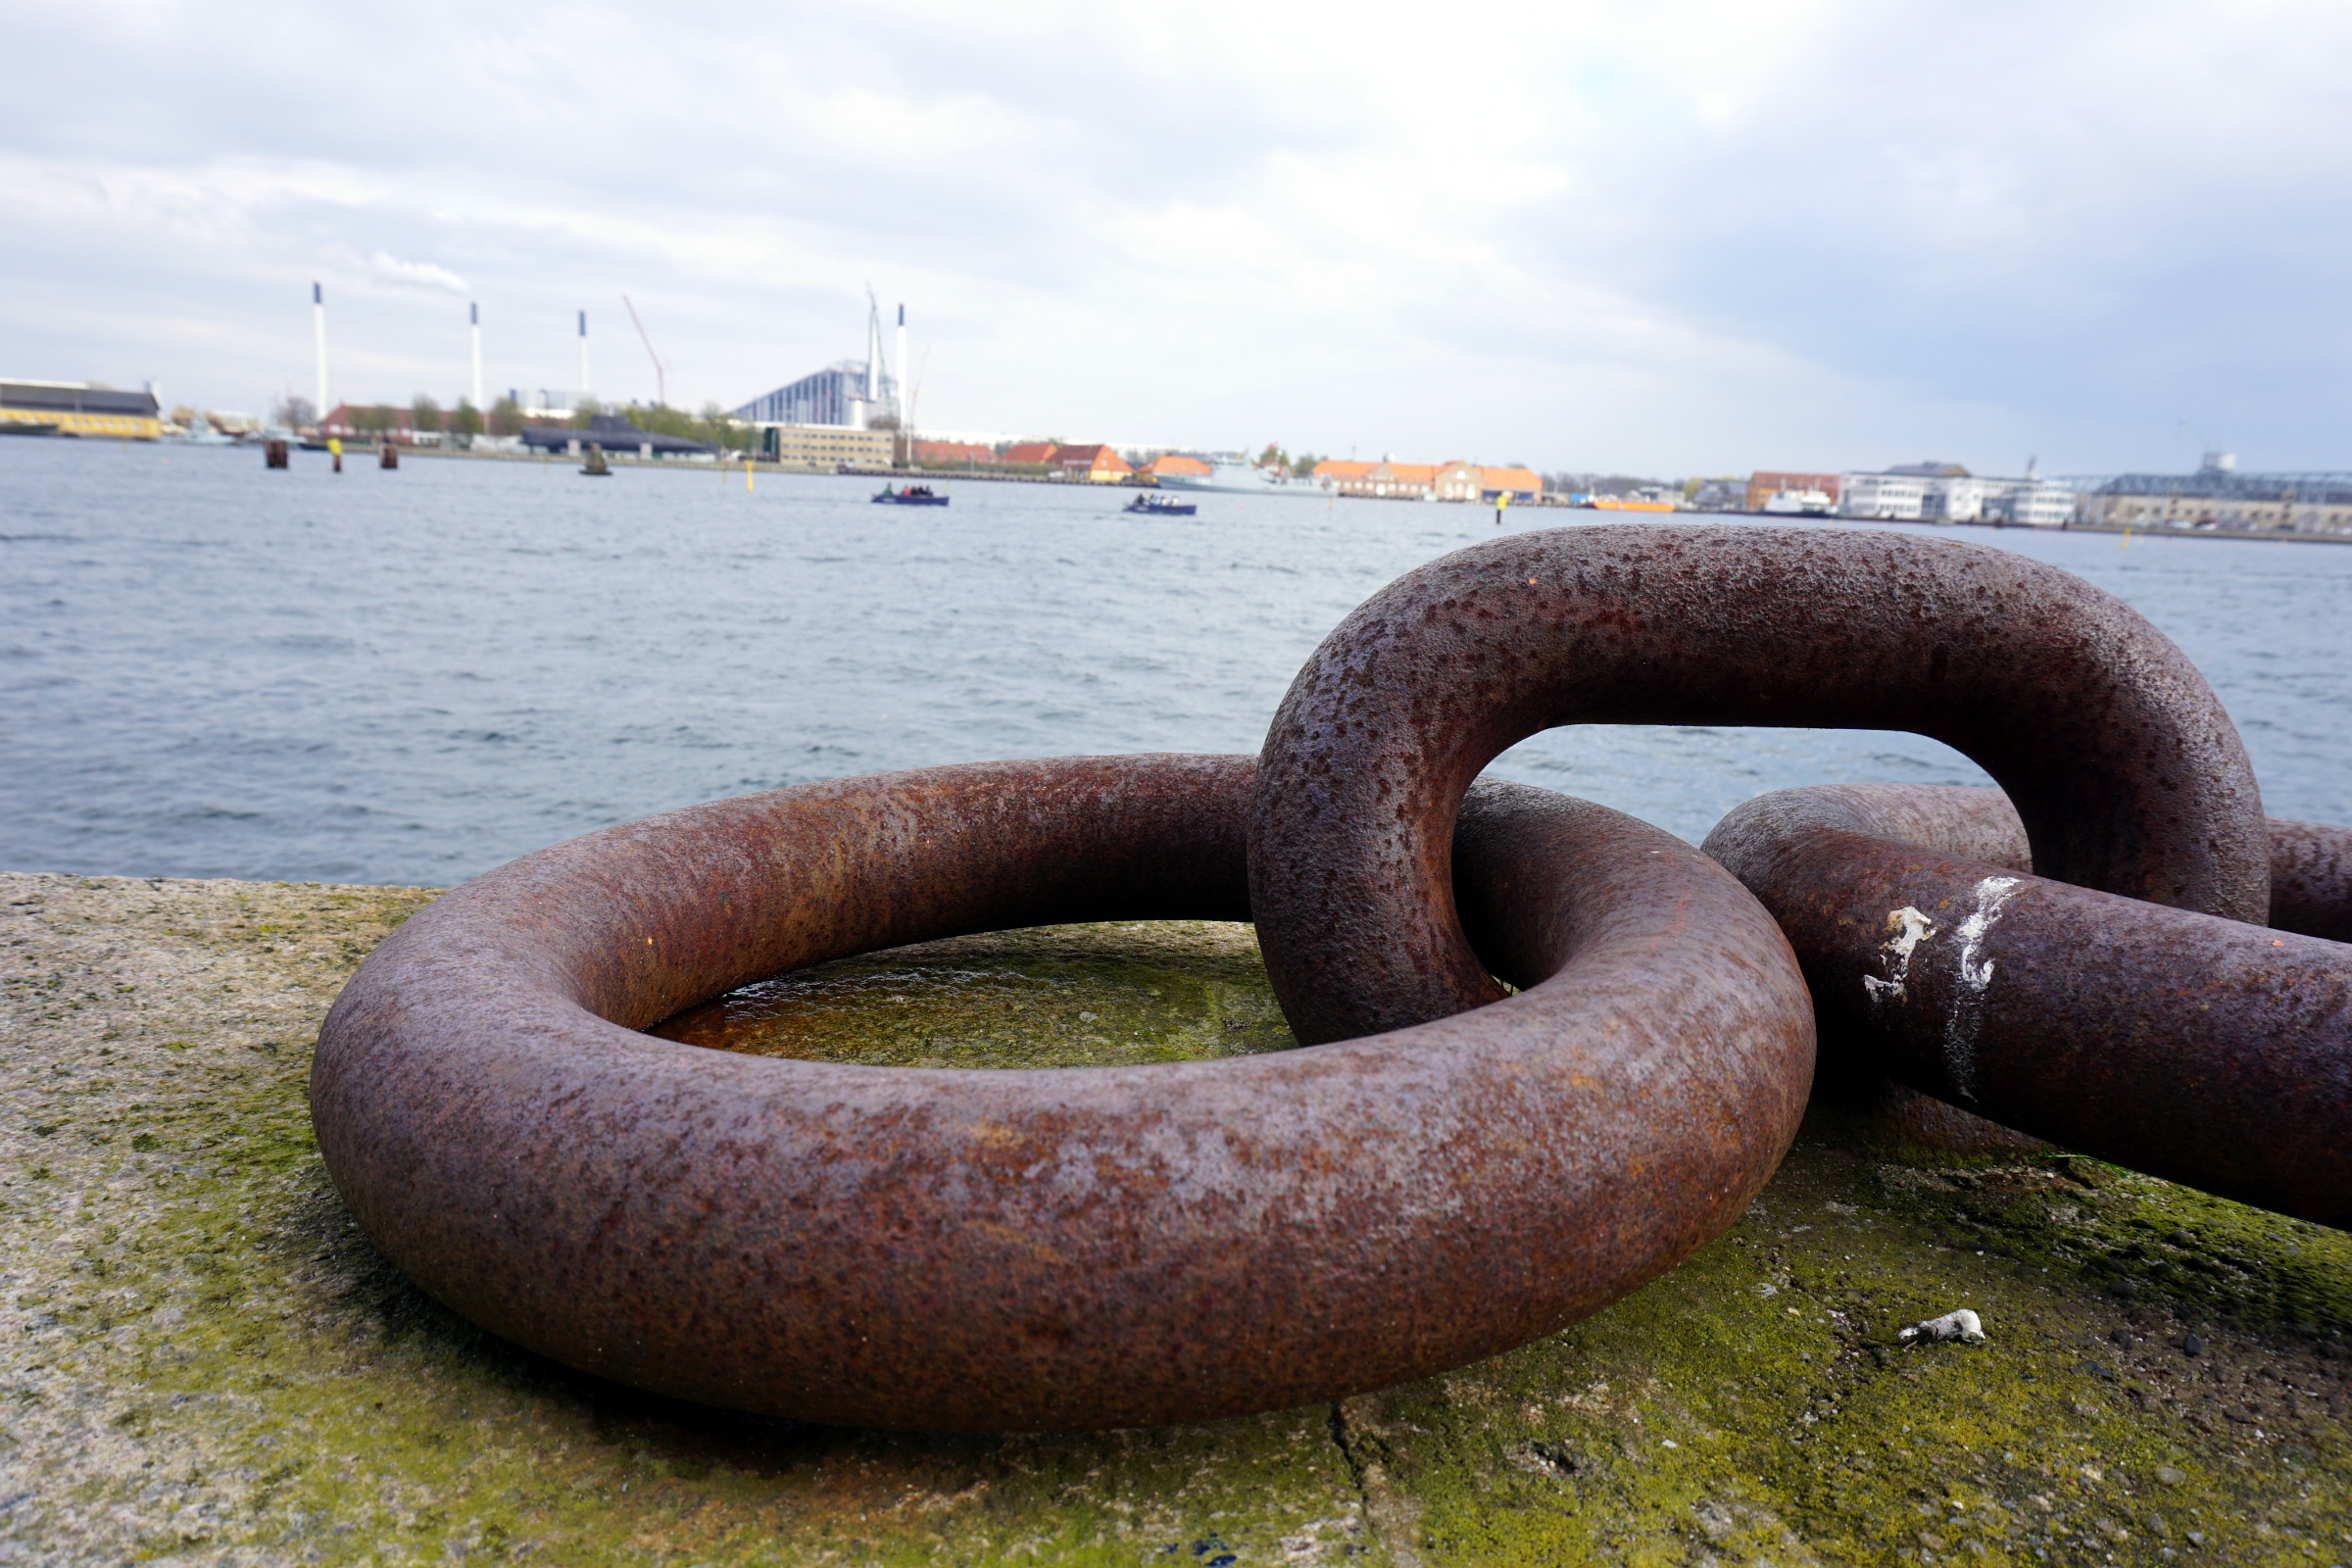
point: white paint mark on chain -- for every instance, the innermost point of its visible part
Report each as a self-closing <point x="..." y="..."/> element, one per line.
<point x="1975" y="977"/>
<point x="1911" y="929"/>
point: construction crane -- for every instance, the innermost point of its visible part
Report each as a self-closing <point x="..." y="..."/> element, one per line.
<point x="661" y="371"/>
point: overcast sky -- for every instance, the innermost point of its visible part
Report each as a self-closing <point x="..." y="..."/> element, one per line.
<point x="1677" y="239"/>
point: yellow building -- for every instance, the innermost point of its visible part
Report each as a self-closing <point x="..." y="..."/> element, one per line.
<point x="78" y="409"/>
<point x="825" y="446"/>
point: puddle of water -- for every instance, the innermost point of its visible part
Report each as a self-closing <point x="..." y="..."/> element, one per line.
<point x="1107" y="996"/>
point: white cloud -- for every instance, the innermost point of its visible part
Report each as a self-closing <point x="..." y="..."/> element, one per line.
<point x="1691" y="236"/>
<point x="389" y="269"/>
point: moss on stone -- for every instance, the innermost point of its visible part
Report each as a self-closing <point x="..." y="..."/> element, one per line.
<point x="206" y="1363"/>
<point x="1053" y="996"/>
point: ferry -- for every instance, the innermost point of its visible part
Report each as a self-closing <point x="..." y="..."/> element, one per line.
<point x="1145" y="506"/>
<point x="1799" y="504"/>
<point x="912" y="495"/>
<point x="1238" y="476"/>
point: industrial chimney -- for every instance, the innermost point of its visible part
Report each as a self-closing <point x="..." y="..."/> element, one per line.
<point x="318" y="333"/>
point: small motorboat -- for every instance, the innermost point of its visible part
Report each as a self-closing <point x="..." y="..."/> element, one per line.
<point x="912" y="495"/>
<point x="200" y="433"/>
<point x="1149" y="506"/>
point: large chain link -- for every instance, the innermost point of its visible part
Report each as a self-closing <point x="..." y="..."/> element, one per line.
<point x="1453" y="1169"/>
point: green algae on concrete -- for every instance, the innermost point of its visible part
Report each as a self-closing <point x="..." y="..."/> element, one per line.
<point x="1053" y="996"/>
<point x="205" y="1362"/>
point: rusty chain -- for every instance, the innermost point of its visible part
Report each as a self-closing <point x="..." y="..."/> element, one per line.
<point x="1452" y="1168"/>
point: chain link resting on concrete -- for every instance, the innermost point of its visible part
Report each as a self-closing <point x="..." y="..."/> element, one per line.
<point x="1448" y="1166"/>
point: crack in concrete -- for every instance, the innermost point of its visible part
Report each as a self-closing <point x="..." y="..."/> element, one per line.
<point x="1392" y="1517"/>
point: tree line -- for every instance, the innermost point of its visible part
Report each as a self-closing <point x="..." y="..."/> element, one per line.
<point x="714" y="425"/>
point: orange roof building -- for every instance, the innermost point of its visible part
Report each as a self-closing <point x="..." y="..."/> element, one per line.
<point x="1028" y="451"/>
<point x="1458" y="480"/>
<point x="1093" y="462"/>
<point x="1382" y="481"/>
<point x="1520" y="484"/>
<point x="1178" y="463"/>
<point x="1429" y="481"/>
<point x="952" y="453"/>
<point x="1763" y="485"/>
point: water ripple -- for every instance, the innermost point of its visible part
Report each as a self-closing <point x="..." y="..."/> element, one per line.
<point x="413" y="676"/>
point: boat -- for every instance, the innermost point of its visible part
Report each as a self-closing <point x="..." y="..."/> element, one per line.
<point x="1626" y="504"/>
<point x="1149" y="506"/>
<point x="912" y="495"/>
<point x="1799" y="504"/>
<point x="597" y="467"/>
<point x="201" y="432"/>
<point x="27" y="427"/>
<point x="1238" y="476"/>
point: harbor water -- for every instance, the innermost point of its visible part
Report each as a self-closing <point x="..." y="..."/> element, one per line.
<point x="211" y="670"/>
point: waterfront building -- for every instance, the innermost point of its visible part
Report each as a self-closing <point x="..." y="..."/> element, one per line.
<point x="823" y="447"/>
<point x="1764" y="485"/>
<point x="2034" y="503"/>
<point x="2219" y="498"/>
<point x="1410" y="481"/>
<point x="948" y="454"/>
<point x="1457" y="480"/>
<point x="1093" y="462"/>
<point x="1029" y="452"/>
<point x="1383" y="480"/>
<point x="1521" y="485"/>
<point x="1896" y="494"/>
<point x="1176" y="464"/>
<point x="1947" y="492"/>
<point x="80" y="409"/>
<point x="847" y="396"/>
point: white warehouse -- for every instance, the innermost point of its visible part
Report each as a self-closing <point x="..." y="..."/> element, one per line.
<point x="1947" y="492"/>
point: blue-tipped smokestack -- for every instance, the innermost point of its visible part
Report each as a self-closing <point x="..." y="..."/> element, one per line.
<point x="318" y="341"/>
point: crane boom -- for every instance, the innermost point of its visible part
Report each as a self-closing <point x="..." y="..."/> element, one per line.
<point x="661" y="371"/>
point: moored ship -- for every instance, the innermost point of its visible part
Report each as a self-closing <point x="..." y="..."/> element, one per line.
<point x="1237" y="477"/>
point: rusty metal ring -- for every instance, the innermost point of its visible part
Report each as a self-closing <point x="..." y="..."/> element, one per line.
<point x="2205" y="1050"/>
<point x="2127" y="771"/>
<point x="1055" y="1248"/>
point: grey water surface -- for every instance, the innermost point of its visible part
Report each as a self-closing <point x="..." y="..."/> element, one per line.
<point x="211" y="670"/>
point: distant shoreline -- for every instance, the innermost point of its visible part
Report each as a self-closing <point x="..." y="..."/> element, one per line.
<point x="629" y="461"/>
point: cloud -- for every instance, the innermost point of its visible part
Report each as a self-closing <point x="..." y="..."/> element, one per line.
<point x="1694" y="236"/>
<point x="390" y="271"/>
